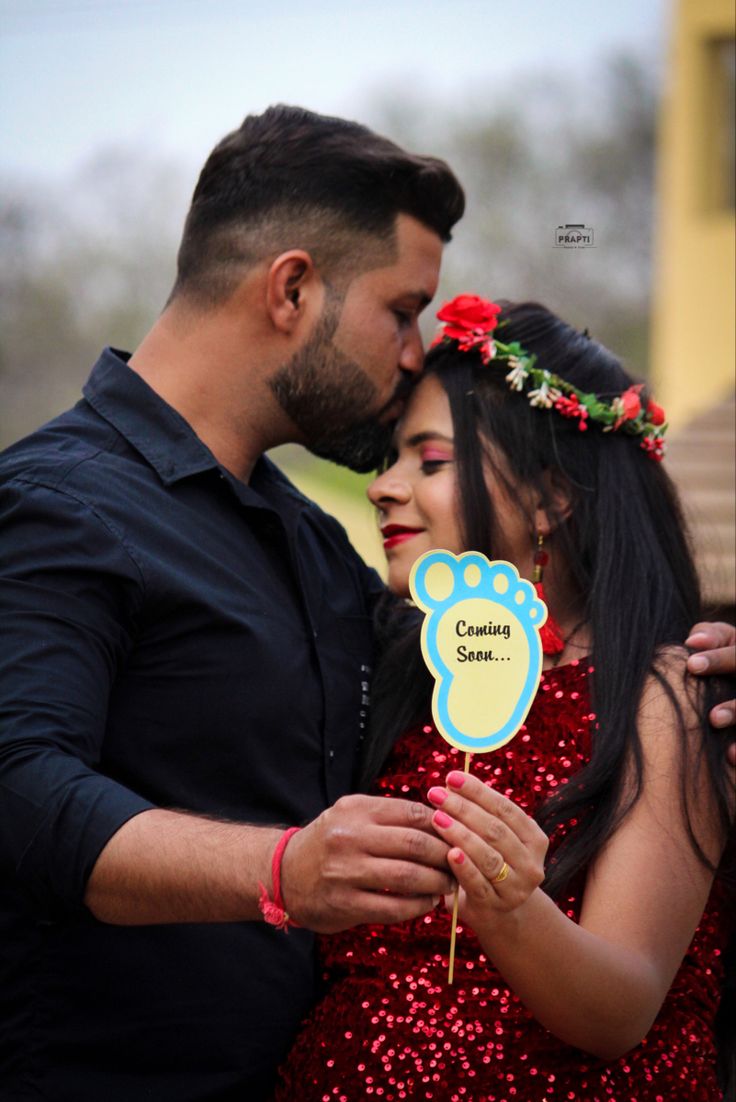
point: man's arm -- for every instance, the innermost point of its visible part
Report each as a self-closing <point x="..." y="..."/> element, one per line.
<point x="70" y="597"/>
<point x="367" y="859"/>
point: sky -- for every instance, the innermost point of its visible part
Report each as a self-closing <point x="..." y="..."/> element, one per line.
<point x="172" y="76"/>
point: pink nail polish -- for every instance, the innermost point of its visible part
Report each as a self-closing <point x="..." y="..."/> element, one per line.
<point x="437" y="795"/>
<point x="456" y="778"/>
<point x="459" y="857"/>
<point x="441" y="819"/>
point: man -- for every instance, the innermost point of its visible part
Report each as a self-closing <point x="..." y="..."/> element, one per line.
<point x="187" y="642"/>
<point x="186" y="639"/>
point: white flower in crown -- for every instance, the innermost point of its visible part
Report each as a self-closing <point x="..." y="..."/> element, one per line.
<point x="517" y="375"/>
<point x="545" y="395"/>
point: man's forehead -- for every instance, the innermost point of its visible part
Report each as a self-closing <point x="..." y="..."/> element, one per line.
<point x="417" y="259"/>
<point x="413" y="235"/>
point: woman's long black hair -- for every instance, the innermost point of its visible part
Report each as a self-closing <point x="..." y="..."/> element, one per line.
<point x="625" y="544"/>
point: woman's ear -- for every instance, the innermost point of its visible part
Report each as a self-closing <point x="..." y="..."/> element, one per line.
<point x="293" y="290"/>
<point x="556" y="505"/>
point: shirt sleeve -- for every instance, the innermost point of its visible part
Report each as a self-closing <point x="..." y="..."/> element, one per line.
<point x="69" y="592"/>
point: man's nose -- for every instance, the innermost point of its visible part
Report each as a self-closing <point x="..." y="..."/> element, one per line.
<point x="412" y="352"/>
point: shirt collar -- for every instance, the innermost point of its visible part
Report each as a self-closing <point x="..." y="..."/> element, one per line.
<point x="150" y="424"/>
<point x="167" y="441"/>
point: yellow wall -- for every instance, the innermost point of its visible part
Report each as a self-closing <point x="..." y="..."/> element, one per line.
<point x="693" y="351"/>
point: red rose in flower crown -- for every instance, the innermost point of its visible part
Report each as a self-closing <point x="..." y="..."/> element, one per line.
<point x="467" y="312"/>
<point x="632" y="402"/>
<point x="628" y="405"/>
<point x="469" y="320"/>
<point x="655" y="413"/>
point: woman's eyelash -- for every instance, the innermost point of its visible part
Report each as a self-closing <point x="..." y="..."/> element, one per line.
<point x="432" y="464"/>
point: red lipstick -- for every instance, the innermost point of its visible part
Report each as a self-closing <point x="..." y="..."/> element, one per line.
<point x="394" y="534"/>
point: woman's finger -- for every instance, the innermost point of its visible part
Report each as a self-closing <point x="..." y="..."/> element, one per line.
<point x="513" y="871"/>
<point x="478" y="893"/>
<point x="475" y="792"/>
<point x="477" y="831"/>
<point x="483" y="793"/>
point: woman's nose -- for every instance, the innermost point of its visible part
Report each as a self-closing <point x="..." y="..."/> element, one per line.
<point x="388" y="487"/>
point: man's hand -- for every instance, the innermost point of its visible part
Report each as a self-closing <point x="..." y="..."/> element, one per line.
<point x="715" y="647"/>
<point x="366" y="859"/>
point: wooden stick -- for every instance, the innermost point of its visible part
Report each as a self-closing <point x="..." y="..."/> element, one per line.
<point x="453" y="931"/>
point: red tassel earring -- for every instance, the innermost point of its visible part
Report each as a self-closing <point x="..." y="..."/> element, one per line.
<point x="552" y="641"/>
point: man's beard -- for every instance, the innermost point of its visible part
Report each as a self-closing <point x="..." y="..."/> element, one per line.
<point x="327" y="395"/>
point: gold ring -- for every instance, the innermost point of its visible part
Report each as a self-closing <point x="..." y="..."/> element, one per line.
<point x="502" y="874"/>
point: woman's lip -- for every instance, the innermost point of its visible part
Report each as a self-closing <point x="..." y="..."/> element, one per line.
<point x="393" y="535"/>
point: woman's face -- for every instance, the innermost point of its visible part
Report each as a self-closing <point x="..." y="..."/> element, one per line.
<point x="416" y="496"/>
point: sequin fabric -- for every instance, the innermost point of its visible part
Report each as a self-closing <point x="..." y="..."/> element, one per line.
<point x="390" y="1027"/>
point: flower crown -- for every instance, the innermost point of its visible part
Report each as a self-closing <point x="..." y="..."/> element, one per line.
<point x="470" y="320"/>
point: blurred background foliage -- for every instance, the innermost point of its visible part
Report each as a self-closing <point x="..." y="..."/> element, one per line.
<point x="92" y="264"/>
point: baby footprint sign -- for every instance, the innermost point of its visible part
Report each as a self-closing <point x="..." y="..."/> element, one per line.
<point x="480" y="639"/>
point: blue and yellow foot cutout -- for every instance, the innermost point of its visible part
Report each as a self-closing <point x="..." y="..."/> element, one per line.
<point x="480" y="639"/>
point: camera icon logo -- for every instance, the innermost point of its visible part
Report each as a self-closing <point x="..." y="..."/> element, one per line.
<point x="574" y="235"/>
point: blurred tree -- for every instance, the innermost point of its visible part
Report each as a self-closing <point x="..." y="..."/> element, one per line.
<point x="554" y="150"/>
<point x="91" y="266"/>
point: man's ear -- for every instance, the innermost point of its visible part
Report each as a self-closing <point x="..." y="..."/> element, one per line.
<point x="557" y="504"/>
<point x="293" y="290"/>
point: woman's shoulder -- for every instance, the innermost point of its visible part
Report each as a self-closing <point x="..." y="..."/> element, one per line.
<point x="670" y="693"/>
<point x="671" y="657"/>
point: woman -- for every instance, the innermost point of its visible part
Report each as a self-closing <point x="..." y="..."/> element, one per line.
<point x="536" y="447"/>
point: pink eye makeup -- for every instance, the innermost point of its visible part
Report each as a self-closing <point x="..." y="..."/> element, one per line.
<point x="436" y="454"/>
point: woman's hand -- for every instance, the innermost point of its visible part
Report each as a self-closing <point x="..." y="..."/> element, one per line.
<point x="497" y="852"/>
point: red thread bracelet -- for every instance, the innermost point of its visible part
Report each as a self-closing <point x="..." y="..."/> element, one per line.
<point x="273" y="910"/>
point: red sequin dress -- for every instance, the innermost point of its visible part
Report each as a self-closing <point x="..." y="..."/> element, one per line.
<point x="390" y="1028"/>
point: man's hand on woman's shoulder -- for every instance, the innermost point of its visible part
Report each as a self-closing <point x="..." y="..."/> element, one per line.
<point x="714" y="647"/>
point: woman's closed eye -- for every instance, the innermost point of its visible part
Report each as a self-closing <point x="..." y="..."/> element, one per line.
<point x="433" y="459"/>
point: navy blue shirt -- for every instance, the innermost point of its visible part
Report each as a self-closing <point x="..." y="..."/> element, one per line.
<point x="170" y="637"/>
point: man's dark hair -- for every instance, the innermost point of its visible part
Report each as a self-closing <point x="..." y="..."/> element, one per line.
<point x="290" y="178"/>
